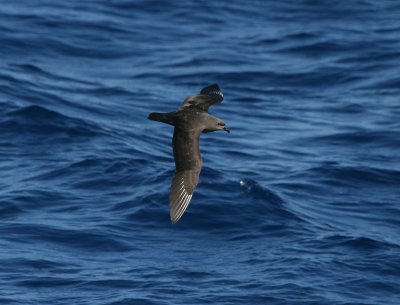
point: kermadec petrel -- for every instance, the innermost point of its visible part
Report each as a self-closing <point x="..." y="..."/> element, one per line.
<point x="190" y="120"/>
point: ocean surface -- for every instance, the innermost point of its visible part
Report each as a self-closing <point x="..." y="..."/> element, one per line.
<point x="299" y="204"/>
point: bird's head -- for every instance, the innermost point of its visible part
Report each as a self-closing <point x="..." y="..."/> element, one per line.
<point x="214" y="124"/>
<point x="222" y="126"/>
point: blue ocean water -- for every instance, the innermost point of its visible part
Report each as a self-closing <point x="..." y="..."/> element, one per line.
<point x="299" y="204"/>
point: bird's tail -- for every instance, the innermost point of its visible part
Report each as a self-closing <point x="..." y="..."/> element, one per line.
<point x="161" y="117"/>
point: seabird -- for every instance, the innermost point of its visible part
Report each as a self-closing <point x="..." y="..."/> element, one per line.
<point x="190" y="120"/>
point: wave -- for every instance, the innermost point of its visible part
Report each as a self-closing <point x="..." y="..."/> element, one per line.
<point x="34" y="121"/>
<point x="232" y="207"/>
<point x="381" y="138"/>
<point x="357" y="243"/>
<point x="86" y="240"/>
<point x="298" y="204"/>
<point x="349" y="175"/>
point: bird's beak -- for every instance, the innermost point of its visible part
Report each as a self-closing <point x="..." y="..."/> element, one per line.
<point x="226" y="129"/>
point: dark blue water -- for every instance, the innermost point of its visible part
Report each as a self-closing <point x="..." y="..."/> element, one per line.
<point x="299" y="204"/>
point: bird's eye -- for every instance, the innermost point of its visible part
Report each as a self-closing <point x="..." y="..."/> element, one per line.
<point x="221" y="124"/>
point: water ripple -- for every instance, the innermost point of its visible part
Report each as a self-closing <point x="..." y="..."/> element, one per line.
<point x="297" y="205"/>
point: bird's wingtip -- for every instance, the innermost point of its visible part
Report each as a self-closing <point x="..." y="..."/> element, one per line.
<point x="213" y="91"/>
<point x="213" y="87"/>
<point x="176" y="216"/>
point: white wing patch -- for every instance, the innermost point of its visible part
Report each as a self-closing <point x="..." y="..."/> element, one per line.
<point x="217" y="93"/>
<point x="179" y="197"/>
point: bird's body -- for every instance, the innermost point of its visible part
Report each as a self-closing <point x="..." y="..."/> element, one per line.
<point x="190" y="120"/>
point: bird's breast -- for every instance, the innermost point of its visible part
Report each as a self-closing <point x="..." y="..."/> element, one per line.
<point x="185" y="144"/>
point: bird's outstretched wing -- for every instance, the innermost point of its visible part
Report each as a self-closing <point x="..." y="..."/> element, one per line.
<point x="188" y="166"/>
<point x="208" y="96"/>
<point x="182" y="189"/>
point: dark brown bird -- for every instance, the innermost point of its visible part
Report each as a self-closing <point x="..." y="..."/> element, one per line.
<point x="190" y="120"/>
